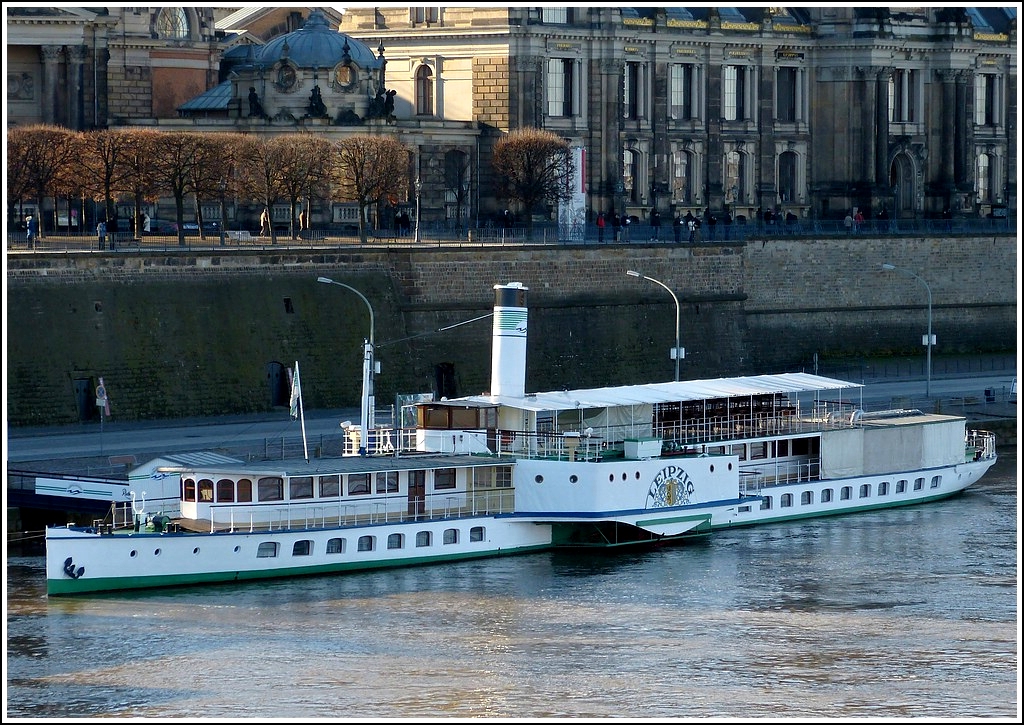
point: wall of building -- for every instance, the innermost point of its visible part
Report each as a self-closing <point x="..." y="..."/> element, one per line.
<point x="199" y="334"/>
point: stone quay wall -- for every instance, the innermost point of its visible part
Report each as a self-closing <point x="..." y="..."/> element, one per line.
<point x="180" y="334"/>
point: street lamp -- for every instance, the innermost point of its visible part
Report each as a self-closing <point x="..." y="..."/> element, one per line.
<point x="677" y="352"/>
<point x="366" y="408"/>
<point x="929" y="340"/>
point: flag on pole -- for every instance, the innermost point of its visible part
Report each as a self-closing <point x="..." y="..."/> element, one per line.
<point x="296" y="392"/>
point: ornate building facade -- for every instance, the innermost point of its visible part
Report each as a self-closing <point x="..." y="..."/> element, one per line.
<point x="809" y="111"/>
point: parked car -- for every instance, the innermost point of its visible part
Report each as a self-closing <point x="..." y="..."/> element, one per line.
<point x="193" y="227"/>
<point x="162" y="227"/>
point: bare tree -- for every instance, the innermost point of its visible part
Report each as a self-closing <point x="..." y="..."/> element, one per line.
<point x="259" y="172"/>
<point x="368" y="170"/>
<point x="137" y="181"/>
<point x="304" y="170"/>
<point x="173" y="165"/>
<point x="102" y="165"/>
<point x="456" y="181"/>
<point x="534" y="168"/>
<point x="43" y="154"/>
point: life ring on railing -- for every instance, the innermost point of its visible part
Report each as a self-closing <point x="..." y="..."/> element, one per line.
<point x="856" y="416"/>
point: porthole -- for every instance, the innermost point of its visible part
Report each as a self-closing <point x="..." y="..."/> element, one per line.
<point x="729" y="467"/>
<point x="611" y="477"/>
<point x="156" y="552"/>
<point x="195" y="550"/>
<point x="538" y="478"/>
<point x="638" y="475"/>
<point x="133" y="553"/>
<point x="623" y="475"/>
<point x="712" y="467"/>
<point x="237" y="549"/>
<point x="574" y="478"/>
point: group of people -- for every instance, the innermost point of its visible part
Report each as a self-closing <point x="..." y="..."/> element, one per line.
<point x="689" y="224"/>
<point x="620" y="226"/>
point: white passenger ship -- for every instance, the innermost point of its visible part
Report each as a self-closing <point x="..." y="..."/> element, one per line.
<point x="513" y="472"/>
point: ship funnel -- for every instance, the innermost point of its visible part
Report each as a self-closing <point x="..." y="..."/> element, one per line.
<point x="508" y="340"/>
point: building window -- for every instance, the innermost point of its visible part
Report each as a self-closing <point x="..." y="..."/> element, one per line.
<point x="734" y="93"/>
<point x="387" y="482"/>
<point x="735" y="177"/>
<point x="682" y="181"/>
<point x="983" y="180"/>
<point x="425" y="15"/>
<point x="555" y="15"/>
<point x="451" y="536"/>
<point x="903" y="95"/>
<point x="561" y="87"/>
<point x="303" y="547"/>
<point x="358" y="484"/>
<point x="788" y="177"/>
<point x="422" y="538"/>
<point x="396" y="541"/>
<point x="786" y="94"/>
<point x="267" y="550"/>
<point x="444" y="478"/>
<point x="172" y="23"/>
<point x="424" y="91"/>
<point x="683" y="91"/>
<point x="365" y="543"/>
<point x="336" y="546"/>
<point x="330" y="486"/>
<point x="985" y="95"/>
<point x="225" y="490"/>
<point x="630" y="161"/>
<point x="300" y="487"/>
<point x="633" y="97"/>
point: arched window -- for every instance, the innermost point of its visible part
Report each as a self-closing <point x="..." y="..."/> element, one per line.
<point x="424" y="91"/>
<point x="788" y="177"/>
<point x="172" y="23"/>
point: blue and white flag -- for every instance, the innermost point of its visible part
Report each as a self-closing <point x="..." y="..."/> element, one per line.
<point x="296" y="392"/>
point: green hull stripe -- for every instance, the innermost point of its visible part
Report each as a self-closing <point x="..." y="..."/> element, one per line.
<point x="673" y="520"/>
<point x="59" y="587"/>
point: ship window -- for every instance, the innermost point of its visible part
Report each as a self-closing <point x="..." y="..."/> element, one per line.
<point x="358" y="484"/>
<point x="806" y="498"/>
<point x="826" y="495"/>
<point x="336" y="546"/>
<point x="206" y="490"/>
<point x="744" y="509"/>
<point x="270" y="488"/>
<point x="758" y="450"/>
<point x="365" y="543"/>
<point x="901" y="486"/>
<point x="244" y="490"/>
<point x="883" y="488"/>
<point x="935" y="481"/>
<point x="766" y="503"/>
<point x="845" y="493"/>
<point x="303" y="547"/>
<point x="451" y="536"/>
<point x="786" y="501"/>
<point x="464" y="418"/>
<point x="783" y="448"/>
<point x="476" y="533"/>
<point x="422" y="538"/>
<point x="865" y="490"/>
<point x="801" y="447"/>
<point x="918" y="484"/>
<point x="396" y="541"/>
<point x="267" y="550"/>
<point x="225" y="490"/>
<point x="444" y="478"/>
<point x="387" y="482"/>
<point x="330" y="486"/>
<point x="300" y="487"/>
<point x="434" y="417"/>
<point x="188" y="486"/>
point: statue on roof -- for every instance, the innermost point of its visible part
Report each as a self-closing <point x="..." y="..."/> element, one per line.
<point x="316" y="108"/>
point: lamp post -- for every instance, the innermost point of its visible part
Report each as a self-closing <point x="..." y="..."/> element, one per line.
<point x="223" y="220"/>
<point x="419" y="186"/>
<point x="366" y="408"/>
<point x="677" y="352"/>
<point x="929" y="340"/>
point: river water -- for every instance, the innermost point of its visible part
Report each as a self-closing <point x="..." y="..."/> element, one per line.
<point x="899" y="614"/>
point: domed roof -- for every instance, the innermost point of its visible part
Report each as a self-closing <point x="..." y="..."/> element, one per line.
<point x="316" y="45"/>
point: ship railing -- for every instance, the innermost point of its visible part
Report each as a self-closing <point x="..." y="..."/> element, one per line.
<point x="756" y="476"/>
<point x="980" y="445"/>
<point x="394" y="508"/>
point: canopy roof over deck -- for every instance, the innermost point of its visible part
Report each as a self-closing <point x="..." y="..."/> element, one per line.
<point x="683" y="390"/>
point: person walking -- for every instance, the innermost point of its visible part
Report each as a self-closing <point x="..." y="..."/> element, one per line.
<point x="32" y="230"/>
<point x="616" y="226"/>
<point x="265" y="223"/>
<point x="101" y="233"/>
<point x="600" y="227"/>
